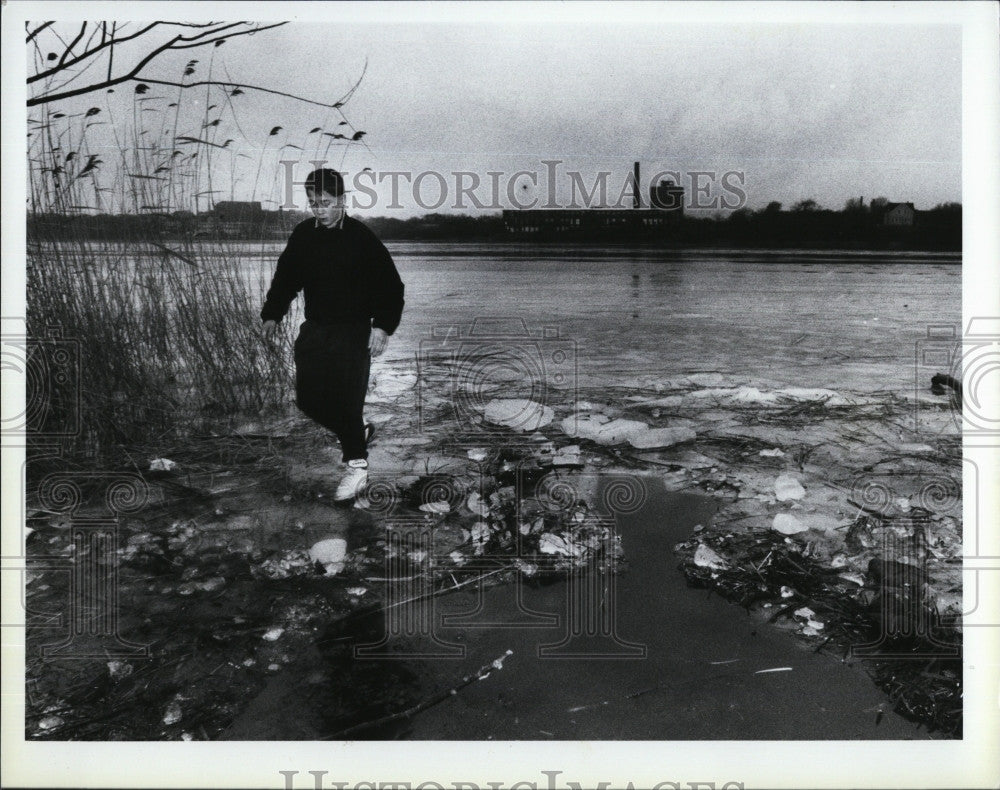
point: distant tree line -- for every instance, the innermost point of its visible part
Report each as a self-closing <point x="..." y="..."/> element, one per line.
<point x="805" y="225"/>
<point x="856" y="226"/>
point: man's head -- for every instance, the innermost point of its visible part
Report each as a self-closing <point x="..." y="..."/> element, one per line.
<point x="325" y="188"/>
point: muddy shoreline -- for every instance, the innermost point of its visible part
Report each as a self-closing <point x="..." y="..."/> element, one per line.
<point x="219" y="595"/>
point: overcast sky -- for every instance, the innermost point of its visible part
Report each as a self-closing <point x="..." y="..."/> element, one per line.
<point x="800" y="111"/>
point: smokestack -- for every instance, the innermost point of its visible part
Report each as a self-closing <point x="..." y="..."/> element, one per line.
<point x="636" y="200"/>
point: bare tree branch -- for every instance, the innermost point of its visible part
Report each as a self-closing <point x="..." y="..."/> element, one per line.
<point x="111" y="52"/>
<point x="91" y="52"/>
<point x="241" y="86"/>
<point x="217" y="32"/>
<point x="73" y="43"/>
<point x="37" y="30"/>
<point x="344" y="99"/>
<point x="225" y="27"/>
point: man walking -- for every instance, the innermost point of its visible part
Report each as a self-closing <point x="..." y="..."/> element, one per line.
<point x="353" y="303"/>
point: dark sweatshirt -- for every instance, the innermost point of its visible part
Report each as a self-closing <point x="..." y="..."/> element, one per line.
<point x="346" y="274"/>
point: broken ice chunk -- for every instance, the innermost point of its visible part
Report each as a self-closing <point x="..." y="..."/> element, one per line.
<point x="620" y="430"/>
<point x="330" y="553"/>
<point x="787" y="524"/>
<point x="788" y="487"/>
<point x="50" y="722"/>
<point x="584" y="426"/>
<point x="480" y="532"/>
<point x="521" y="414"/>
<point x="476" y="505"/>
<point x="173" y="713"/>
<point x="660" y="437"/>
<point x="706" y="557"/>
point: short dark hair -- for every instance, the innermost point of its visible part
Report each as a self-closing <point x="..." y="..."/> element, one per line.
<point x="326" y="180"/>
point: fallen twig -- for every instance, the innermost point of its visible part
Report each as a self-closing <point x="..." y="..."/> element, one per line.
<point x="481" y="674"/>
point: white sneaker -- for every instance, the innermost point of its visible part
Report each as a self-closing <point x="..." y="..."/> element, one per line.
<point x="352" y="482"/>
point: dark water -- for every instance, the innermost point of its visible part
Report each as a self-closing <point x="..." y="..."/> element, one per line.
<point x="838" y="321"/>
<point x="639" y="656"/>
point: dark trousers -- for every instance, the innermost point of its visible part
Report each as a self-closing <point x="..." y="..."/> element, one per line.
<point x="332" y="363"/>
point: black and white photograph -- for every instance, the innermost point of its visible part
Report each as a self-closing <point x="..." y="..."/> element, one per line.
<point x="501" y="395"/>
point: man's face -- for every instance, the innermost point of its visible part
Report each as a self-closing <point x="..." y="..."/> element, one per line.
<point x="327" y="209"/>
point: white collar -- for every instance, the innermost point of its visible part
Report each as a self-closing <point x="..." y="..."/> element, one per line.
<point x="338" y="226"/>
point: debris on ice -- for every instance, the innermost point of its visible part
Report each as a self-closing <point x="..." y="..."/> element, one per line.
<point x="212" y="584"/>
<point x="910" y="447"/>
<point x="550" y="543"/>
<point x="479" y="534"/>
<point x="567" y="456"/>
<point x="476" y="505"/>
<point x="162" y="465"/>
<point x="705" y="379"/>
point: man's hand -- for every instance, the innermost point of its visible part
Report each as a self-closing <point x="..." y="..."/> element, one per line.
<point x="269" y="329"/>
<point x="377" y="341"/>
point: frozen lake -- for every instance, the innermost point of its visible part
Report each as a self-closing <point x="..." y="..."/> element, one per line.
<point x="812" y="319"/>
<point x="770" y="319"/>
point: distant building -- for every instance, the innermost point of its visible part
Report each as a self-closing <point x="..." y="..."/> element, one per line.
<point x="899" y="215"/>
<point x="586" y="219"/>
<point x="667" y="196"/>
<point x="666" y="209"/>
<point x="241" y="219"/>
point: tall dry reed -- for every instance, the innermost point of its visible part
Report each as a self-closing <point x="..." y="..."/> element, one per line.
<point x="166" y="326"/>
